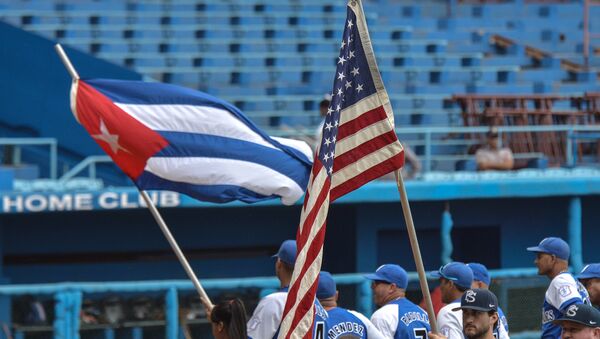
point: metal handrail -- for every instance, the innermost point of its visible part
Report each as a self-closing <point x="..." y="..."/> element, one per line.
<point x="52" y="142"/>
<point x="90" y="162"/>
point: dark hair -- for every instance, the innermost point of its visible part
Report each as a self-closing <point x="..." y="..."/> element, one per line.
<point x="232" y="314"/>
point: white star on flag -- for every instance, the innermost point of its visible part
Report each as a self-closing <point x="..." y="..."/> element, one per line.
<point x="359" y="88"/>
<point x="348" y="84"/>
<point x="111" y="139"/>
<point x="341" y="60"/>
<point x="350" y="24"/>
<point x="354" y="71"/>
<point x="351" y="55"/>
<point x="341" y="76"/>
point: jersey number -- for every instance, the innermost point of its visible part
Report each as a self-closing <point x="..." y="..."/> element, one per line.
<point x="420" y="333"/>
<point x="320" y="330"/>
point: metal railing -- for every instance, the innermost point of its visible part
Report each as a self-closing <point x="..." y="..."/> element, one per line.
<point x="68" y="297"/>
<point x="51" y="142"/>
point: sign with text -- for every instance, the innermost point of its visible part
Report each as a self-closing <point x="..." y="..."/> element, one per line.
<point x="83" y="201"/>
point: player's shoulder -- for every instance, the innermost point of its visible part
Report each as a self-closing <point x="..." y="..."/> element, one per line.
<point x="563" y="278"/>
<point x="447" y="311"/>
<point x="275" y="297"/>
<point x="359" y="315"/>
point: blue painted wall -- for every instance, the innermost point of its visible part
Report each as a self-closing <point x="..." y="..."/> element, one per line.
<point x="34" y="87"/>
<point x="359" y="238"/>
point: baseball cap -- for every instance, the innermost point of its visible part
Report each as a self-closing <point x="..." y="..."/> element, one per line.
<point x="590" y="271"/>
<point x="287" y="252"/>
<point x="478" y="299"/>
<point x="326" y="287"/>
<point x="457" y="272"/>
<point x="552" y="245"/>
<point x="582" y="314"/>
<point x="480" y="272"/>
<point x="390" y="273"/>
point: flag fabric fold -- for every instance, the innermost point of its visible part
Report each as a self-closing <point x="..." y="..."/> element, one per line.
<point x="168" y="137"/>
<point x="358" y="144"/>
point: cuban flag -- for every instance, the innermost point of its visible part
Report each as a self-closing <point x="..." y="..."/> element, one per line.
<point x="168" y="137"/>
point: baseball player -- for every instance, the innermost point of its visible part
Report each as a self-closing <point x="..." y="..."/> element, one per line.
<point x="481" y="279"/>
<point x="479" y="316"/>
<point x="590" y="278"/>
<point x="455" y="278"/>
<point x="552" y="255"/>
<point x="265" y="320"/>
<point x="340" y="321"/>
<point x="397" y="316"/>
<point x="580" y="322"/>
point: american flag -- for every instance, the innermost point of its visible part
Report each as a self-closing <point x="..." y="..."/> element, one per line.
<point x="359" y="144"/>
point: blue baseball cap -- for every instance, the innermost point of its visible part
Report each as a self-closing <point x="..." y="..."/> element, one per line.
<point x="552" y="245"/>
<point x="391" y="274"/>
<point x="457" y="272"/>
<point x="480" y="272"/>
<point x="327" y="287"/>
<point x="287" y="252"/>
<point x="589" y="272"/>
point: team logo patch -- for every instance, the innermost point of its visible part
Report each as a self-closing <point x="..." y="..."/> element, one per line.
<point x="470" y="296"/>
<point x="564" y="290"/>
<point x="572" y="310"/>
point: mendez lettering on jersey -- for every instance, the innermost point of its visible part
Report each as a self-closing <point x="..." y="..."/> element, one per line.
<point x="345" y="328"/>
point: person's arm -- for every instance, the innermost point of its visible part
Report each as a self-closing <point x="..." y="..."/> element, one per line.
<point x="563" y="292"/>
<point x="266" y="318"/>
<point x="494" y="160"/>
<point x="449" y="324"/>
<point x="386" y="321"/>
<point x="432" y="335"/>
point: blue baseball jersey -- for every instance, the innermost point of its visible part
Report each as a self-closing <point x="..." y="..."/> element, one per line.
<point x="564" y="291"/>
<point x="401" y="319"/>
<point x="345" y="322"/>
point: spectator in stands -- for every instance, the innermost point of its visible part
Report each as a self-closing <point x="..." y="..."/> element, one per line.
<point x="552" y="260"/>
<point x="590" y="278"/>
<point x="492" y="157"/>
<point x="397" y="316"/>
<point x="455" y="278"/>
<point x="482" y="280"/>
<point x="479" y="315"/>
<point x="342" y="321"/>
<point x="580" y="322"/>
<point x="412" y="160"/>
<point x="228" y="320"/>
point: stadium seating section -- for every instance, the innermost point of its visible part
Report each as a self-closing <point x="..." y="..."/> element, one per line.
<point x="275" y="59"/>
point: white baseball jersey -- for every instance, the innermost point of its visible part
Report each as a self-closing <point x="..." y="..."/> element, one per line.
<point x="266" y="318"/>
<point x="563" y="292"/>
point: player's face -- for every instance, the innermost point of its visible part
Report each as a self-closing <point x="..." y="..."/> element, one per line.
<point x="218" y="330"/>
<point x="381" y="292"/>
<point x="544" y="263"/>
<point x="593" y="287"/>
<point x="446" y="289"/>
<point x="571" y="330"/>
<point x="477" y="324"/>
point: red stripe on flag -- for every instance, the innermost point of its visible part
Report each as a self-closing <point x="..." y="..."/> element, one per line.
<point x="360" y="122"/>
<point x="307" y="300"/>
<point x="366" y="148"/>
<point x="372" y="173"/>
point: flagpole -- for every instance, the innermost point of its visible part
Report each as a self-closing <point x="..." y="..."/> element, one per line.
<point x="165" y="229"/>
<point x="150" y="204"/>
<point x="414" y="244"/>
<point x="65" y="59"/>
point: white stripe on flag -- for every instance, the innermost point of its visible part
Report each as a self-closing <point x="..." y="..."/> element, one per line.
<point x="366" y="162"/>
<point x="370" y="132"/>
<point x="216" y="171"/>
<point x="352" y="112"/>
<point x="193" y="119"/>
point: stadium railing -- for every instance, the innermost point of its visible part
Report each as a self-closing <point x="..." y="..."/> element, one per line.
<point x="68" y="299"/>
<point x="52" y="143"/>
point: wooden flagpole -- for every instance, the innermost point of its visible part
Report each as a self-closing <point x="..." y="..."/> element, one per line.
<point x="414" y="244"/>
<point x="150" y="204"/>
